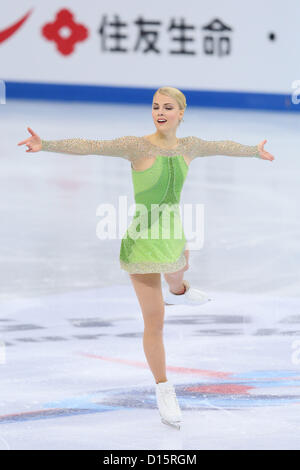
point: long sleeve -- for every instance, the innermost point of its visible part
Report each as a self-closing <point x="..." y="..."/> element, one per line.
<point x="124" y="147"/>
<point x="202" y="148"/>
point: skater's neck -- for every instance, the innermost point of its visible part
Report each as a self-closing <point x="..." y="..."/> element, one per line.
<point x="163" y="140"/>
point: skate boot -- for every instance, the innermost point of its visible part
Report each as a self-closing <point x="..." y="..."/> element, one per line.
<point x="168" y="405"/>
<point x="191" y="296"/>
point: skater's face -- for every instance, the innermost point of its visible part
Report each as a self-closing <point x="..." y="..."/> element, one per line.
<point x="166" y="108"/>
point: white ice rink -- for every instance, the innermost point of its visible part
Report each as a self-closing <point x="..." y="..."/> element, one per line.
<point x="73" y="370"/>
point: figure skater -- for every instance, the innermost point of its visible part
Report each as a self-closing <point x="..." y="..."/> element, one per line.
<point x="159" y="166"/>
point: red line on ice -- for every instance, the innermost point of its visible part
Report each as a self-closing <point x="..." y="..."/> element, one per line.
<point x="183" y="370"/>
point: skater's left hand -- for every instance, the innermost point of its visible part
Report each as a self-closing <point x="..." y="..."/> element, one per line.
<point x="263" y="153"/>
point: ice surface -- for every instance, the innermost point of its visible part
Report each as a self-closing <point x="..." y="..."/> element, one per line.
<point x="74" y="374"/>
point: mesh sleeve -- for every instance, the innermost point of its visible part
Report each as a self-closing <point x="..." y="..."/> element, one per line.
<point x="123" y="147"/>
<point x="203" y="148"/>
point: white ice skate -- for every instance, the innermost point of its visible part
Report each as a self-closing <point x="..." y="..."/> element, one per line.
<point x="168" y="406"/>
<point x="191" y="296"/>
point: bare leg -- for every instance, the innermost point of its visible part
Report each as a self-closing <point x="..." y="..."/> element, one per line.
<point x="149" y="293"/>
<point x="175" y="279"/>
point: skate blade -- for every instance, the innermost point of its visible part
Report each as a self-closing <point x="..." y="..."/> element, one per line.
<point x="190" y="302"/>
<point x="174" y="424"/>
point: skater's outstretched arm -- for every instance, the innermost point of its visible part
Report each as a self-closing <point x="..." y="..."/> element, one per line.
<point x="119" y="147"/>
<point x="202" y="148"/>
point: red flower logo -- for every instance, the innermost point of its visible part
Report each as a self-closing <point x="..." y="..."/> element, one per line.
<point x="65" y="32"/>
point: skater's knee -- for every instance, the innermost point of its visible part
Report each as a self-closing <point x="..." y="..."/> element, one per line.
<point x="154" y="329"/>
<point x="186" y="267"/>
<point x="154" y="322"/>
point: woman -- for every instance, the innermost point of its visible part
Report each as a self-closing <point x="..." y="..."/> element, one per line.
<point x="159" y="165"/>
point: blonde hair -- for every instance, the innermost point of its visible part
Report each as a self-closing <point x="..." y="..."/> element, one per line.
<point x="173" y="93"/>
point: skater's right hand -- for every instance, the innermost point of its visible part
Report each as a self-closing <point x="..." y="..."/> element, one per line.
<point x="33" y="143"/>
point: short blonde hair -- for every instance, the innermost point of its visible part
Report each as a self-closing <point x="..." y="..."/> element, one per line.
<point x="173" y="93"/>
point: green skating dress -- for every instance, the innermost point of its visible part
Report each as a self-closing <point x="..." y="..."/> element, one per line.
<point x="160" y="244"/>
<point x="154" y="241"/>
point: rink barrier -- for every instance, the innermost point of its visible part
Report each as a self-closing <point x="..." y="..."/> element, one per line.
<point x="135" y="95"/>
